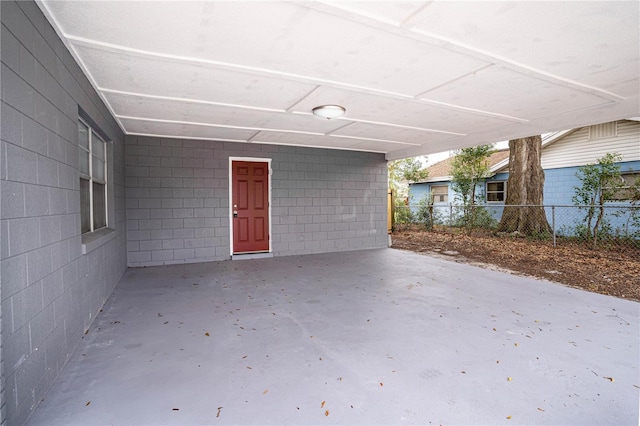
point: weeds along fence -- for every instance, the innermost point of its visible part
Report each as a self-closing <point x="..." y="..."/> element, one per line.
<point x="615" y="227"/>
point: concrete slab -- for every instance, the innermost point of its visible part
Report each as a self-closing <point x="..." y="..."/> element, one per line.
<point x="369" y="337"/>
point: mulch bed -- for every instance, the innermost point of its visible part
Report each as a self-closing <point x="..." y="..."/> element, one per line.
<point x="614" y="272"/>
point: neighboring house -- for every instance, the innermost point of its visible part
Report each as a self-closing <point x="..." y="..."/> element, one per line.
<point x="438" y="183"/>
<point x="562" y="155"/>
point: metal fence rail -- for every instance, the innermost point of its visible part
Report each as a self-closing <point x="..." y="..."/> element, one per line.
<point x="612" y="226"/>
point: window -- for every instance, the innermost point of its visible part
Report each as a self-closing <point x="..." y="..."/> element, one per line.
<point x="628" y="180"/>
<point x="92" y="150"/>
<point x="496" y="191"/>
<point x="439" y="193"/>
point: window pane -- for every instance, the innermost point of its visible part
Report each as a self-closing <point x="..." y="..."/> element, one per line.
<point x="98" y="169"/>
<point x="97" y="146"/>
<point x="439" y="189"/>
<point x="83" y="135"/>
<point x="84" y="161"/>
<point x="495" y="186"/>
<point x="99" y="206"/>
<point x="85" y="212"/>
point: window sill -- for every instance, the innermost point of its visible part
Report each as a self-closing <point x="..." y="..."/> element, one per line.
<point x="93" y="240"/>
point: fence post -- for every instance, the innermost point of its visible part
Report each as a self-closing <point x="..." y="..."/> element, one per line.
<point x="553" y="221"/>
<point x="390" y="211"/>
<point x="450" y="215"/>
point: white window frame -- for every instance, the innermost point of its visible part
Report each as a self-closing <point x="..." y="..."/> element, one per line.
<point x="91" y="178"/>
<point x="433" y="194"/>
<point x="628" y="178"/>
<point x="504" y="191"/>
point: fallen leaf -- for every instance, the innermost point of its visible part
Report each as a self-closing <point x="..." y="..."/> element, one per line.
<point x="322" y="405"/>
<point x="494" y="329"/>
<point x="498" y="362"/>
<point x="509" y="379"/>
<point x="206" y="334"/>
<point x="540" y="409"/>
<point x="463" y="372"/>
<point x="265" y="391"/>
<point x="381" y="384"/>
<point x="219" y="409"/>
<point x="508" y="417"/>
<point x="326" y="413"/>
<point x="515" y="344"/>
<point x="175" y="409"/>
<point x="244" y="356"/>
<point x="87" y="404"/>
<point x="611" y="379"/>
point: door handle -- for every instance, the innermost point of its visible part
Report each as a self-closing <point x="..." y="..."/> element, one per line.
<point x="235" y="213"/>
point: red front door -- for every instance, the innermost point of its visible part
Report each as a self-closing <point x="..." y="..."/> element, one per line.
<point x="250" y="206"/>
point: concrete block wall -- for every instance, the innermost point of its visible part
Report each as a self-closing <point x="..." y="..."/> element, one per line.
<point x="178" y="199"/>
<point x="49" y="291"/>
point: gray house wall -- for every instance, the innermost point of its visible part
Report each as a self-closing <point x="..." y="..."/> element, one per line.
<point x="175" y="201"/>
<point x="178" y="199"/>
<point x="50" y="292"/>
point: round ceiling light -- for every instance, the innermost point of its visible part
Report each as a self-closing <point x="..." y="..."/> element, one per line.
<point x="328" y="111"/>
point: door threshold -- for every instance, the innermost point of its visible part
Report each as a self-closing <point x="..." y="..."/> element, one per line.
<point x="247" y="256"/>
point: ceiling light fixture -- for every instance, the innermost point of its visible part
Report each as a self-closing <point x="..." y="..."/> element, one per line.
<point x="328" y="111"/>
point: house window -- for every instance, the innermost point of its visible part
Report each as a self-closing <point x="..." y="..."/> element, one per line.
<point x="625" y="193"/>
<point x="440" y="193"/>
<point x="496" y="191"/>
<point x="92" y="150"/>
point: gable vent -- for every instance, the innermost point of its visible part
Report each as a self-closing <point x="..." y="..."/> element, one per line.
<point x="604" y="130"/>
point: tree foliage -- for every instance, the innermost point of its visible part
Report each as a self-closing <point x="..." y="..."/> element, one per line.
<point x="402" y="172"/>
<point x="470" y="166"/>
<point x="600" y="182"/>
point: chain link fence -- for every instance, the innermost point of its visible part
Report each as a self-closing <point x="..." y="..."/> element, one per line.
<point x="610" y="227"/>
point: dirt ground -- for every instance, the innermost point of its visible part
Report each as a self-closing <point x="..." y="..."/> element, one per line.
<point x="615" y="273"/>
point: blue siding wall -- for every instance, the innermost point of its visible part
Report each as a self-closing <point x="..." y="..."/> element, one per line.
<point x="418" y="191"/>
<point x="560" y="184"/>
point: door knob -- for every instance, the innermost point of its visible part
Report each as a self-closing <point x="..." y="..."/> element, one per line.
<point x="235" y="213"/>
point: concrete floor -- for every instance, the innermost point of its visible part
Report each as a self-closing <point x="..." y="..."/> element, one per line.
<point x="369" y="337"/>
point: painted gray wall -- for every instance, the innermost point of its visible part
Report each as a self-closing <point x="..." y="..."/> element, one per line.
<point x="178" y="199"/>
<point x="50" y="292"/>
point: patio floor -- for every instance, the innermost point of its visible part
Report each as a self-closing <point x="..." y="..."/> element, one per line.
<point x="368" y="337"/>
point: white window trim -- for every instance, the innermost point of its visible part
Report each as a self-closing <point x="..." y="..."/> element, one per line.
<point x="626" y="185"/>
<point x="95" y="238"/>
<point x="433" y="194"/>
<point x="486" y="191"/>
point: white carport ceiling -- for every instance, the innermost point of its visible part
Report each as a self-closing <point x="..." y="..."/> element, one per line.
<point x="415" y="77"/>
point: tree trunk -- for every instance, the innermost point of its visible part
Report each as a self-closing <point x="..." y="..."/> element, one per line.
<point x="525" y="188"/>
